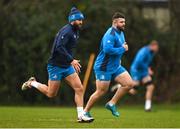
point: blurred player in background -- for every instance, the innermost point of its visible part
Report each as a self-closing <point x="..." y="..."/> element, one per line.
<point x="107" y="67"/>
<point x="141" y="72"/>
<point x="62" y="65"/>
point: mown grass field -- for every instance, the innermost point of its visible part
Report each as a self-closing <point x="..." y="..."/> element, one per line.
<point x="132" y="116"/>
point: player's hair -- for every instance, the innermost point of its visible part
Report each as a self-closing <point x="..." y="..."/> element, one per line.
<point x="117" y="15"/>
<point x="154" y="42"/>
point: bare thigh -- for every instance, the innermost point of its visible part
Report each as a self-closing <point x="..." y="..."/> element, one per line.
<point x="53" y="87"/>
<point x="125" y="79"/>
<point x="102" y="85"/>
<point x="74" y="81"/>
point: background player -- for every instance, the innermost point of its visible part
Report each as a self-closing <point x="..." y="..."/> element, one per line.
<point x="141" y="71"/>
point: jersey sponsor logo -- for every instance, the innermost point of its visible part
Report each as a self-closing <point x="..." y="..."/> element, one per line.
<point x="108" y="41"/>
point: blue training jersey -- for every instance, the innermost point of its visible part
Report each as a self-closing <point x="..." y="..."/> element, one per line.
<point x="111" y="51"/>
<point x="142" y="59"/>
<point x="64" y="42"/>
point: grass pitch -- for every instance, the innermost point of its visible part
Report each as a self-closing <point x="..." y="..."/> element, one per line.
<point x="162" y="116"/>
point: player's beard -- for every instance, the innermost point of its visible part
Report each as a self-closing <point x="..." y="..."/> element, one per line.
<point x="78" y="26"/>
<point x="121" y="28"/>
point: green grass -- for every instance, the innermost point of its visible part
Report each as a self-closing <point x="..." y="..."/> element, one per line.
<point x="162" y="116"/>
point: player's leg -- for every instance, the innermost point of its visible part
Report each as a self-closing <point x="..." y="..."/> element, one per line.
<point x="74" y="81"/>
<point x="132" y="91"/>
<point x="115" y="87"/>
<point x="127" y="83"/>
<point x="147" y="81"/>
<point x="101" y="88"/>
<point x="50" y="91"/>
<point x="122" y="77"/>
<point x="53" y="84"/>
<point x="136" y="76"/>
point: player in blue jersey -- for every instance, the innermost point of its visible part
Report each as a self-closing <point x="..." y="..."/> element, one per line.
<point x="107" y="67"/>
<point x="62" y="65"/>
<point x="141" y="71"/>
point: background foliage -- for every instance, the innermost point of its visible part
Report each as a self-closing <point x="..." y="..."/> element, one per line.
<point x="27" y="33"/>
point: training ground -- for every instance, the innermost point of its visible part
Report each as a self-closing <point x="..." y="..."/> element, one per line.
<point x="132" y="116"/>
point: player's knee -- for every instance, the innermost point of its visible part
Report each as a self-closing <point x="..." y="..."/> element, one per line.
<point x="101" y="92"/>
<point x="132" y="91"/>
<point x="51" y="95"/>
<point x="130" y="85"/>
<point x="150" y="87"/>
<point x="79" y="89"/>
<point x="98" y="93"/>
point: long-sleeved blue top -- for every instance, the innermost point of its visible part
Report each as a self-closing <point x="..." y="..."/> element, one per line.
<point x="111" y="51"/>
<point x="143" y="59"/>
<point x="64" y="42"/>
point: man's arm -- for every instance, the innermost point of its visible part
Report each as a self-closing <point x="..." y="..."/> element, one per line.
<point x="108" y="46"/>
<point x="63" y="40"/>
<point x="62" y="50"/>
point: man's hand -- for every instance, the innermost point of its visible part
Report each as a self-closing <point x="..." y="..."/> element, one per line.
<point x="125" y="45"/>
<point x="76" y="65"/>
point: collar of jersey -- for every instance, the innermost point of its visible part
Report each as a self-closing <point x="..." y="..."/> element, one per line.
<point x="73" y="27"/>
<point x="118" y="31"/>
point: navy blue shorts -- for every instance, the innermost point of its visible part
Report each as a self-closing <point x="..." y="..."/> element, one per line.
<point x="57" y="73"/>
<point x="107" y="76"/>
